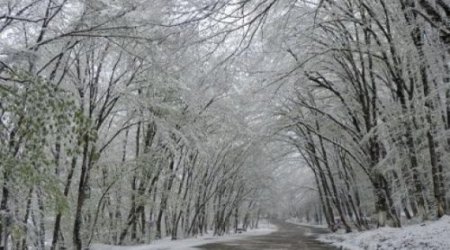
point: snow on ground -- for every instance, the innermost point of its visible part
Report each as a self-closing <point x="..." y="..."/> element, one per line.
<point x="302" y="223"/>
<point x="188" y="244"/>
<point x="430" y="236"/>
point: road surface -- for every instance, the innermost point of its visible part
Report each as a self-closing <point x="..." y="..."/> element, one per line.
<point x="287" y="237"/>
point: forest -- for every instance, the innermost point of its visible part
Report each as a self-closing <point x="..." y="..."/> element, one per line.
<point x="125" y="122"/>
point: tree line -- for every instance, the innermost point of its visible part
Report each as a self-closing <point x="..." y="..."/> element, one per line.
<point x="109" y="133"/>
<point x="369" y="108"/>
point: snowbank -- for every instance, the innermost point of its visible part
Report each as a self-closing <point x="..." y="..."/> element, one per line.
<point x="431" y="236"/>
<point x="186" y="244"/>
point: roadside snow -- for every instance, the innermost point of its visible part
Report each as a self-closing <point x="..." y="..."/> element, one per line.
<point x="300" y="223"/>
<point x="430" y="235"/>
<point x="189" y="244"/>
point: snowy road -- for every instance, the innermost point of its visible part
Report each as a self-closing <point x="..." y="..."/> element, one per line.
<point x="288" y="237"/>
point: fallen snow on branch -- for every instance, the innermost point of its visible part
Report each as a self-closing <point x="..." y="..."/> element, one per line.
<point x="430" y="235"/>
<point x="187" y="244"/>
